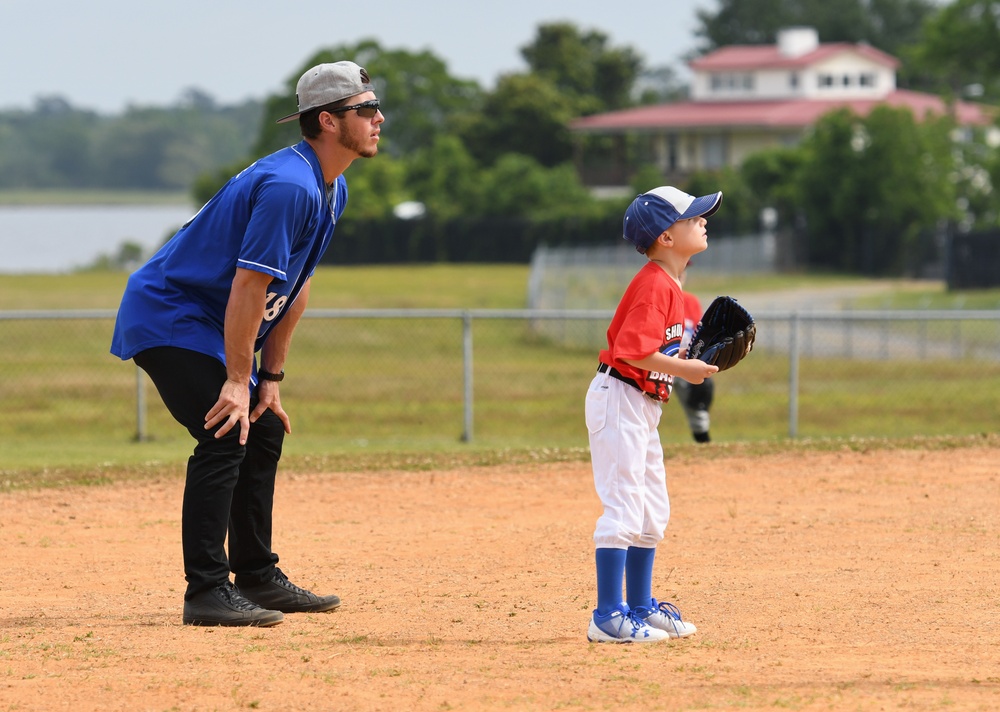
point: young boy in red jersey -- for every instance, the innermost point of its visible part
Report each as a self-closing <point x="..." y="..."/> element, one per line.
<point x="623" y="408"/>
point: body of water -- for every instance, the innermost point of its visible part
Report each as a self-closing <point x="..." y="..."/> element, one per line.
<point x="61" y="238"/>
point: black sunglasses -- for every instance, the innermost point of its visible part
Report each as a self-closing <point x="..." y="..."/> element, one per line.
<point x="366" y="109"/>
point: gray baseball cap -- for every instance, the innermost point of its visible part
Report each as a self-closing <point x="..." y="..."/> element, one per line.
<point x="327" y="83"/>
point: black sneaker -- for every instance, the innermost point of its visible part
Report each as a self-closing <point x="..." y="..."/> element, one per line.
<point x="224" y="605"/>
<point x="281" y="594"/>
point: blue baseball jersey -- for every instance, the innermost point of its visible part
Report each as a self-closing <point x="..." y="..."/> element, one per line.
<point x="275" y="217"/>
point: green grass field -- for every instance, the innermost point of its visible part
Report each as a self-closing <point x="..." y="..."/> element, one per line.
<point x="375" y="391"/>
<point x="449" y="286"/>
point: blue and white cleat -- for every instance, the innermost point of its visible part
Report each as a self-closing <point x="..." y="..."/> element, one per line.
<point x="665" y="617"/>
<point x="622" y="626"/>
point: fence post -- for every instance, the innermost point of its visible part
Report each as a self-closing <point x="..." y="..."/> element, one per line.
<point x="467" y="375"/>
<point x="140" y="406"/>
<point x="793" y="376"/>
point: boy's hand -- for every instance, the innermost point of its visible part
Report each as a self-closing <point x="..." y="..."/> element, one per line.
<point x="697" y="371"/>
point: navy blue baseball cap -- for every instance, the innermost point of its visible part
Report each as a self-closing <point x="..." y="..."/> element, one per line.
<point x="655" y="211"/>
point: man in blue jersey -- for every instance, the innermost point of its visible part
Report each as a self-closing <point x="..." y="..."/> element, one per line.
<point x="233" y="282"/>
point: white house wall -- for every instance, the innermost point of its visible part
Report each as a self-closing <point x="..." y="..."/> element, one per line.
<point x="852" y="66"/>
<point x="701" y="88"/>
<point x="776" y="84"/>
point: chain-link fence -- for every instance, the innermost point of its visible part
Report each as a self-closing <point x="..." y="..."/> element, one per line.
<point x="595" y="276"/>
<point x="430" y="379"/>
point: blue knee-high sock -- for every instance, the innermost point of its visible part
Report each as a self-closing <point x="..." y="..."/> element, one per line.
<point x="639" y="576"/>
<point x="610" y="572"/>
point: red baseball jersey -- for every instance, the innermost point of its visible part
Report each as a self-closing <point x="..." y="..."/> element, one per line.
<point x="649" y="318"/>
<point x="692" y="315"/>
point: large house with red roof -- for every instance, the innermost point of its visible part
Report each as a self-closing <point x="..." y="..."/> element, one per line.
<point x="744" y="98"/>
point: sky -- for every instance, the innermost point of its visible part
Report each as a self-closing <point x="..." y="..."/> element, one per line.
<point x="106" y="55"/>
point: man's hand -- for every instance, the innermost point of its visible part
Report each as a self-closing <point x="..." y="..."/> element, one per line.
<point x="232" y="407"/>
<point x="267" y="391"/>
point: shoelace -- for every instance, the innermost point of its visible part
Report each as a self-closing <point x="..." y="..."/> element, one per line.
<point x="236" y="599"/>
<point x="633" y="620"/>
<point x="282" y="580"/>
<point x="637" y="622"/>
<point x="667" y="609"/>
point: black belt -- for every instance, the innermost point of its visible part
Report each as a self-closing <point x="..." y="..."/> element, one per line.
<point x="613" y="372"/>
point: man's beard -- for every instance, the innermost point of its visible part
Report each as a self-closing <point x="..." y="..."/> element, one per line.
<point x="355" y="144"/>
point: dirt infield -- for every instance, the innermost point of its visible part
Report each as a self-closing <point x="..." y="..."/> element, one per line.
<point x="818" y="580"/>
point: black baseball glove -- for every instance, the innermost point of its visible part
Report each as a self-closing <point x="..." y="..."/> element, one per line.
<point x="725" y="334"/>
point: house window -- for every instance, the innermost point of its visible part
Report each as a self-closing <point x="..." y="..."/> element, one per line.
<point x="867" y="79"/>
<point x="713" y="151"/>
<point x="846" y="80"/>
<point x="730" y="82"/>
<point x="825" y="80"/>
<point x="793" y="80"/>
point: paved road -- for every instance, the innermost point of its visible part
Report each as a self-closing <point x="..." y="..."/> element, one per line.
<point x="857" y="337"/>
<point x="809" y="298"/>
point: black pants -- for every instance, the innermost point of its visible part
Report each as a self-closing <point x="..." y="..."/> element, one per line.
<point x="229" y="487"/>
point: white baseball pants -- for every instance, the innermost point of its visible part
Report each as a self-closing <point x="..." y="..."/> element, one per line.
<point x="627" y="459"/>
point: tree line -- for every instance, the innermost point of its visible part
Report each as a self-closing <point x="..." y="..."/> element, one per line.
<point x="56" y="145"/>
<point x="858" y="192"/>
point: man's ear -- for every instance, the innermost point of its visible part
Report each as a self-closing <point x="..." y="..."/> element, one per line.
<point x="665" y="239"/>
<point x="327" y="121"/>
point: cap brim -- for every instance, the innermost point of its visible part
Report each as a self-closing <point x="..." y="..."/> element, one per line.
<point x="703" y="207"/>
<point x="286" y="119"/>
<point x="297" y="114"/>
